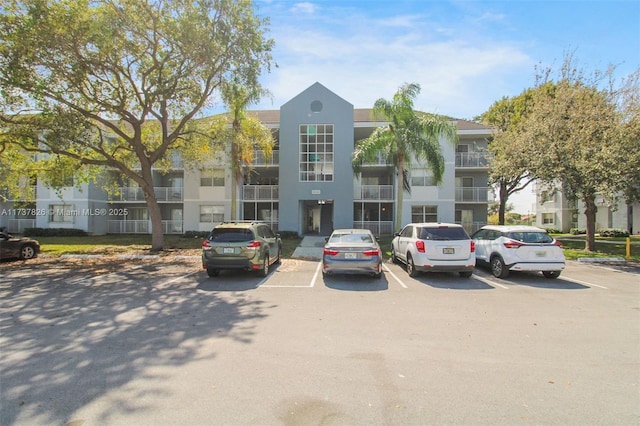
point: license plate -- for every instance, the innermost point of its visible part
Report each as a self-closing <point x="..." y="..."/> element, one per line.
<point x="228" y="250"/>
<point x="541" y="254"/>
<point x="448" y="250"/>
<point x="350" y="255"/>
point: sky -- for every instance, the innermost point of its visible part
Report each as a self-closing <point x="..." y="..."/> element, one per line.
<point x="464" y="54"/>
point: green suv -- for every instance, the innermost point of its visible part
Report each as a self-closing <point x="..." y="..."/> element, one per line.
<point x="251" y="246"/>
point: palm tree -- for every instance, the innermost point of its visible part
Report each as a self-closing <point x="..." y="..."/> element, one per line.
<point x="247" y="134"/>
<point x="409" y="135"/>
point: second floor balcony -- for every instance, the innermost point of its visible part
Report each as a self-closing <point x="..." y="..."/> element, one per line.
<point x="260" y="193"/>
<point x="472" y="194"/>
<point x="373" y="192"/>
<point x="135" y="194"/>
<point x="259" y="159"/>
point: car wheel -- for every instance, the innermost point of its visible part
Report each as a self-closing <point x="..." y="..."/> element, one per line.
<point x="394" y="258"/>
<point x="411" y="267"/>
<point x="551" y="274"/>
<point x="498" y="268"/>
<point x="466" y="274"/>
<point x="213" y="272"/>
<point x="27" y="252"/>
<point x="264" y="271"/>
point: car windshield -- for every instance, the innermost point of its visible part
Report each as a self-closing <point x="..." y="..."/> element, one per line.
<point x="231" y="235"/>
<point x="351" y="238"/>
<point x="531" y="237"/>
<point x="443" y="234"/>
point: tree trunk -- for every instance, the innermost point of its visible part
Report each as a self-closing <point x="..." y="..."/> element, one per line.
<point x="590" y="212"/>
<point x="399" y="197"/>
<point x="503" y="202"/>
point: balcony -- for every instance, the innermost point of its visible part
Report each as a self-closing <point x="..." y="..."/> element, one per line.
<point x="27" y="193"/>
<point x="380" y="160"/>
<point x="135" y="194"/>
<point x="373" y="192"/>
<point x="18" y="226"/>
<point x="142" y="227"/>
<point x="259" y="159"/>
<point x="472" y="194"/>
<point x="260" y="193"/>
<point x="474" y="160"/>
<point x="376" y="227"/>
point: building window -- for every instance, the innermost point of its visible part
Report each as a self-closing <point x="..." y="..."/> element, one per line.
<point x="211" y="214"/>
<point x="61" y="213"/>
<point x="316" y="152"/>
<point x="422" y="177"/>
<point x="548" y="218"/>
<point x="212" y="177"/>
<point x="424" y="214"/>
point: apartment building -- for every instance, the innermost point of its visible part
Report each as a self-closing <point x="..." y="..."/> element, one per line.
<point x="307" y="186"/>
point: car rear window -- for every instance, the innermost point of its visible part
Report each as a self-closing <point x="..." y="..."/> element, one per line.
<point x="443" y="234"/>
<point x="531" y="237"/>
<point x="231" y="235"/>
<point x="351" y="238"/>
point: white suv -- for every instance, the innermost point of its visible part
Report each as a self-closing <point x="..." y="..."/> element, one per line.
<point x="518" y="248"/>
<point x="436" y="247"/>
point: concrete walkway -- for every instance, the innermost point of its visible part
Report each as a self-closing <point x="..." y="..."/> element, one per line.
<point x="310" y="248"/>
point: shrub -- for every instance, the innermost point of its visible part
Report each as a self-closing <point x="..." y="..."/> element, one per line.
<point x="289" y="235"/>
<point x="612" y="232"/>
<point x="553" y="230"/>
<point x="577" y="231"/>
<point x="196" y="234"/>
<point x="54" y="232"/>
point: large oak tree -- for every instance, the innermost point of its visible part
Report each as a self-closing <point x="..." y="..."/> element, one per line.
<point x="118" y="84"/>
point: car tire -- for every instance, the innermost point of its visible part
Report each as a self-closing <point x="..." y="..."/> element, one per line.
<point x="378" y="276"/>
<point x="264" y="271"/>
<point x="551" y="274"/>
<point x="466" y="274"/>
<point x="411" y="267"/>
<point x="27" y="252"/>
<point x="498" y="268"/>
<point x="213" y="272"/>
<point x="394" y="258"/>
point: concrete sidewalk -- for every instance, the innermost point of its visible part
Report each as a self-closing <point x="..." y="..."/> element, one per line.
<point x="310" y="248"/>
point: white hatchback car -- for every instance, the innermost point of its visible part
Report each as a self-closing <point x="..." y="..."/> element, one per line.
<point x="518" y="248"/>
<point x="435" y="247"/>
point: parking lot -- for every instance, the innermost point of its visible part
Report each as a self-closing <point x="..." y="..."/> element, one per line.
<point x="158" y="342"/>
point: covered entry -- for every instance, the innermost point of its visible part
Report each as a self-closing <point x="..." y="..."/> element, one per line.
<point x="317" y="217"/>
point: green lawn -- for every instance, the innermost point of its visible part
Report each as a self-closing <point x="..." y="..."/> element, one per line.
<point x="116" y="244"/>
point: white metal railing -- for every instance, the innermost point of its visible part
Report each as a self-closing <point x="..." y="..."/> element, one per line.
<point x="376" y="227"/>
<point x="135" y="194"/>
<point x="260" y="192"/>
<point x="481" y="159"/>
<point x="472" y="194"/>
<point x="374" y="192"/>
<point x="380" y="160"/>
<point x="142" y="227"/>
<point x="19" y="225"/>
<point x="259" y="159"/>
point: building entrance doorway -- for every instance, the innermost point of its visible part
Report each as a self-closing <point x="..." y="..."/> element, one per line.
<point x="318" y="217"/>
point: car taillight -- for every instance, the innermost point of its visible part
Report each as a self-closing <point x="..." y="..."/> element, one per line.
<point x="254" y="245"/>
<point x="330" y="252"/>
<point x="205" y="244"/>
<point x="557" y="243"/>
<point x="473" y="246"/>
<point x="420" y="246"/>
<point x="513" y="244"/>
<point x="372" y="253"/>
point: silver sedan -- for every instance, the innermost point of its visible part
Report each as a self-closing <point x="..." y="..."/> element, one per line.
<point x="352" y="251"/>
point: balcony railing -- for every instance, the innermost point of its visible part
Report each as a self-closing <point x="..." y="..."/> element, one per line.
<point x="135" y="194"/>
<point x="380" y="160"/>
<point x="17" y="226"/>
<point x="474" y="159"/>
<point x="259" y="159"/>
<point x="374" y="192"/>
<point x="472" y="194"/>
<point x="376" y="227"/>
<point x="142" y="227"/>
<point x="260" y="192"/>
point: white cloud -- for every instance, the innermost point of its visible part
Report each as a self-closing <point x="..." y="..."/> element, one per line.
<point x="304" y="8"/>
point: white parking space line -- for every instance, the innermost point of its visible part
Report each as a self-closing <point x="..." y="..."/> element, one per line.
<point x="311" y="284"/>
<point x="179" y="278"/>
<point x="573" y="280"/>
<point x="386" y="269"/>
<point x="489" y="282"/>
